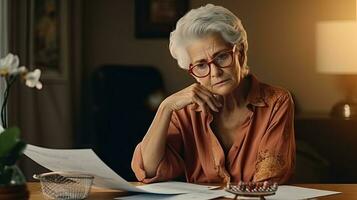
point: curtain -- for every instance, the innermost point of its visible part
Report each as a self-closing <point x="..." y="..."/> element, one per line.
<point x="47" y="117"/>
<point x="4" y="41"/>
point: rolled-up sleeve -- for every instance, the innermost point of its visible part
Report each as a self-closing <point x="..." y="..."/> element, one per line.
<point x="276" y="152"/>
<point x="171" y="165"/>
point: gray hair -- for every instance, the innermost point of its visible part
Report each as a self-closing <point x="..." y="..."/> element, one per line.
<point x="203" y="21"/>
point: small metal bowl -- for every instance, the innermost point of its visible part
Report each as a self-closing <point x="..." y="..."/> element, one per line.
<point x="253" y="190"/>
<point x="65" y="185"/>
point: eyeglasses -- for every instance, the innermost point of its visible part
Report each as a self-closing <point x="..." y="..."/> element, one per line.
<point x="221" y="60"/>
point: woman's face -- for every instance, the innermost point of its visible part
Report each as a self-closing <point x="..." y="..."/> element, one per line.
<point x="221" y="81"/>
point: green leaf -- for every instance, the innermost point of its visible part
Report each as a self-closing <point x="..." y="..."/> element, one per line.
<point x="14" y="154"/>
<point x="8" y="140"/>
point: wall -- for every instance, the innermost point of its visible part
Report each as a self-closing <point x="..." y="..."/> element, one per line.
<point x="281" y="36"/>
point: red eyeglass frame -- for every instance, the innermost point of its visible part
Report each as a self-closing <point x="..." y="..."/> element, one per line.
<point x="212" y="61"/>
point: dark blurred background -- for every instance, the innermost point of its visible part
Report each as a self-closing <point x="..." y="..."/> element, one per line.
<point x="113" y="68"/>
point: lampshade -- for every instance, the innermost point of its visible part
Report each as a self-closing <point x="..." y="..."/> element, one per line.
<point x="336" y="53"/>
<point x="336" y="47"/>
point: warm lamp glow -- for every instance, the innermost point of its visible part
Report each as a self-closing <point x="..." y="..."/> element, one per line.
<point x="336" y="47"/>
<point x="336" y="53"/>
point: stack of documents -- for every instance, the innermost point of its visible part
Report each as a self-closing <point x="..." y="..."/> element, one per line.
<point x="86" y="161"/>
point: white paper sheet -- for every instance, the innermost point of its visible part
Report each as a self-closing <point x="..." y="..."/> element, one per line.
<point x="287" y="192"/>
<point x="212" y="194"/>
<point x="86" y="161"/>
<point x="174" y="186"/>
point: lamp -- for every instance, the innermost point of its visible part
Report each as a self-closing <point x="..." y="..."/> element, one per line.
<point x="336" y="53"/>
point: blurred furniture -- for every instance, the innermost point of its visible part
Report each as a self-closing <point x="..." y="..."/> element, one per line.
<point x="325" y="149"/>
<point x="121" y="102"/>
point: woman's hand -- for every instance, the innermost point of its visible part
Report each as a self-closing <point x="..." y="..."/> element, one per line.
<point x="194" y="94"/>
<point x="154" y="143"/>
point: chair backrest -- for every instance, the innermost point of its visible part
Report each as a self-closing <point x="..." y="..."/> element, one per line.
<point x="123" y="101"/>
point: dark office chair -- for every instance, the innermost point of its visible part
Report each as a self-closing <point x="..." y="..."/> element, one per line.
<point x="122" y="103"/>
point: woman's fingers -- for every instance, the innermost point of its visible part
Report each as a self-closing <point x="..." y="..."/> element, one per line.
<point x="207" y="100"/>
<point x="211" y="96"/>
<point x="204" y="97"/>
<point x="196" y="94"/>
<point x="197" y="100"/>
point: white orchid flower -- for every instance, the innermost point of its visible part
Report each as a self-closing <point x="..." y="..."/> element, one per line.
<point x="19" y="70"/>
<point x="1" y="129"/>
<point x="33" y="79"/>
<point x="9" y="64"/>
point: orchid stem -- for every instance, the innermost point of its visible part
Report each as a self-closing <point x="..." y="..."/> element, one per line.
<point x="9" y="83"/>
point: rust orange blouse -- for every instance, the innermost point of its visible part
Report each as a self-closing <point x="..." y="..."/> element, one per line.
<point x="264" y="148"/>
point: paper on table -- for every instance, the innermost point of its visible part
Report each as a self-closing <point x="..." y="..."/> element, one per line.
<point x="187" y="187"/>
<point x="79" y="160"/>
<point x="86" y="161"/>
<point x="211" y="194"/>
<point x="287" y="192"/>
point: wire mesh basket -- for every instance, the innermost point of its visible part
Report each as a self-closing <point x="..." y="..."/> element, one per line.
<point x="252" y="189"/>
<point x="65" y="185"/>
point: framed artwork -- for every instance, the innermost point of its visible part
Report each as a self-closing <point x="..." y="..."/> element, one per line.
<point x="157" y="18"/>
<point x="48" y="39"/>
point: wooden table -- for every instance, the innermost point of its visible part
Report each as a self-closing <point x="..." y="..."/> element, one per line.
<point x="96" y="194"/>
<point x="349" y="191"/>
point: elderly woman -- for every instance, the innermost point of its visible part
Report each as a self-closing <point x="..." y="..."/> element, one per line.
<point x="226" y="127"/>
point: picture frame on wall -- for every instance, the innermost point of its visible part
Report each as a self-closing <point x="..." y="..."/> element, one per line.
<point x="49" y="38"/>
<point x="157" y="18"/>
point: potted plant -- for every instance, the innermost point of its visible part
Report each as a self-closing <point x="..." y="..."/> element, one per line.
<point x="12" y="181"/>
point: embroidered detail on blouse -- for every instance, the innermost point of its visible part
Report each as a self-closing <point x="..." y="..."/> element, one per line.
<point x="268" y="166"/>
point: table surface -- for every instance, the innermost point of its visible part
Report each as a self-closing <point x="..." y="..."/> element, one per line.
<point x="349" y="191"/>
